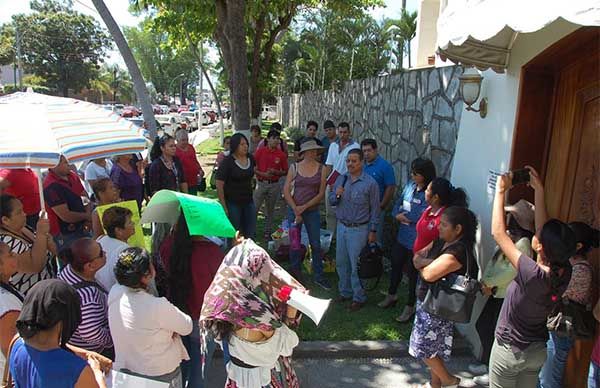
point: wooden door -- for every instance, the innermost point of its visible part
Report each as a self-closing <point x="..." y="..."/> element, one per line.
<point x="573" y="171"/>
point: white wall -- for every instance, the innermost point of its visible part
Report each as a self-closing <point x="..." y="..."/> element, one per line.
<point x="426" y="36"/>
<point x="485" y="144"/>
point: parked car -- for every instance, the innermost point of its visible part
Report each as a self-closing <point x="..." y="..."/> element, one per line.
<point x="193" y="119"/>
<point x="269" y="112"/>
<point x="168" y="123"/>
<point x="212" y="116"/>
<point x="130" y="111"/>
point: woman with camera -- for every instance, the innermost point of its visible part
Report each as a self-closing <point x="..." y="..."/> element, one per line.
<point x="519" y="349"/>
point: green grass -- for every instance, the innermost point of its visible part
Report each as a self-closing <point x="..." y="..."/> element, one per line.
<point x="212" y="146"/>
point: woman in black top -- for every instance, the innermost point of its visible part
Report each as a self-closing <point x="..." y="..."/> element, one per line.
<point x="234" y="186"/>
<point x="164" y="173"/>
<point x="432" y="336"/>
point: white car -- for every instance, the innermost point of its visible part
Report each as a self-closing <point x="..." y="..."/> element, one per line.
<point x="269" y="112"/>
<point x="168" y="123"/>
<point x="193" y="119"/>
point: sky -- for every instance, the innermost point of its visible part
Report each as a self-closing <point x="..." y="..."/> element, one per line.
<point x="120" y="11"/>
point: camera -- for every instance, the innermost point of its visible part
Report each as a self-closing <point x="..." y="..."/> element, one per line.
<point x="520" y="176"/>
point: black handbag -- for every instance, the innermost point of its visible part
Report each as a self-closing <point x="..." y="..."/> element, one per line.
<point x="370" y="265"/>
<point x="572" y="320"/>
<point x="452" y="297"/>
<point x="202" y="185"/>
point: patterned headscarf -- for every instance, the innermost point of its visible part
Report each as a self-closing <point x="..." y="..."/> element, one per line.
<point x="244" y="290"/>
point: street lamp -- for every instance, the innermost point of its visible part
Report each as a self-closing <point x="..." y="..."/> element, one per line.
<point x="171" y="83"/>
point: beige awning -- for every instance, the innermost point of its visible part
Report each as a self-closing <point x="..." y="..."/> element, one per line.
<point x="481" y="33"/>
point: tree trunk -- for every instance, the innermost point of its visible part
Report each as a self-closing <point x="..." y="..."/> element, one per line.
<point x="183" y="92"/>
<point x="231" y="36"/>
<point x="138" y="81"/>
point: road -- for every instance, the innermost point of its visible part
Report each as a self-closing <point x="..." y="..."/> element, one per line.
<point x="359" y="372"/>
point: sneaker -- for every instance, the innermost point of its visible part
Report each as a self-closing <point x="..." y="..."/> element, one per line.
<point x="323" y="283"/>
<point x="478" y="369"/>
<point x="389" y="301"/>
<point x="406" y="315"/>
<point x="483" y="380"/>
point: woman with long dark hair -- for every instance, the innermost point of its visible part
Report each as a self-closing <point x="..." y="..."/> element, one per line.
<point x="407" y="211"/>
<point x="191" y="263"/>
<point x="579" y="290"/>
<point x="234" y="186"/>
<point x="451" y="254"/>
<point x="519" y="350"/>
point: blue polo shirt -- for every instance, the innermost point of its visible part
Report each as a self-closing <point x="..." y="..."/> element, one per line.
<point x="412" y="203"/>
<point x="383" y="173"/>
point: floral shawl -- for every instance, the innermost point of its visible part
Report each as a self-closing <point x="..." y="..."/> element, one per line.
<point x="244" y="290"/>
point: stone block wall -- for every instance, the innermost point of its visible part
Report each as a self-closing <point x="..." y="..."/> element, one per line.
<point x="416" y="113"/>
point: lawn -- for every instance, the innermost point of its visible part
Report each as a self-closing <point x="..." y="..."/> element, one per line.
<point x="338" y="324"/>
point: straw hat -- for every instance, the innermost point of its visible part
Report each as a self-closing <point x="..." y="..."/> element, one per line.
<point x="310" y="145"/>
<point x="524" y="213"/>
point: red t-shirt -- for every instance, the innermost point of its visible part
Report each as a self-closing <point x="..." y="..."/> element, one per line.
<point x="24" y="186"/>
<point x="204" y="263"/>
<point x="191" y="166"/>
<point x="267" y="158"/>
<point x="58" y="191"/>
<point x="427" y="228"/>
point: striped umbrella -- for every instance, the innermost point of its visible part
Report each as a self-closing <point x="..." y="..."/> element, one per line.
<point x="35" y="129"/>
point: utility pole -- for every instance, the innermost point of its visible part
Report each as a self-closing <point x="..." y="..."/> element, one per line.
<point x="19" y="67"/>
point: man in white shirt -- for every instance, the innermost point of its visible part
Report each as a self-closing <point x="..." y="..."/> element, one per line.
<point x="336" y="165"/>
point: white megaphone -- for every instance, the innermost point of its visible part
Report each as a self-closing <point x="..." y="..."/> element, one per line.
<point x="313" y="307"/>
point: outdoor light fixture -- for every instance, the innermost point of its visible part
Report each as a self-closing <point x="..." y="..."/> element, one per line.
<point x="470" y="87"/>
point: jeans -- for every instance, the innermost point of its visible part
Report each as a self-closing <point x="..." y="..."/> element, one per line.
<point x="557" y="349"/>
<point x="243" y="218"/>
<point x="400" y="257"/>
<point x="269" y="192"/>
<point x="516" y="368"/>
<point x="191" y="370"/>
<point x="350" y="241"/>
<point x="594" y="375"/>
<point x="312" y="220"/>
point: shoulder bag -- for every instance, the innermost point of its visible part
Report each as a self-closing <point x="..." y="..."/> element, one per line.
<point x="452" y="297"/>
<point x="570" y="319"/>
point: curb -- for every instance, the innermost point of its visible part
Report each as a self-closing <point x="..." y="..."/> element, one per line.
<point x="362" y="349"/>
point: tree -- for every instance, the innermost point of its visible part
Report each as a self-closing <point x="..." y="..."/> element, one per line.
<point x="403" y="30"/>
<point x="160" y="62"/>
<point x="138" y="81"/>
<point x="57" y="44"/>
<point x="234" y="22"/>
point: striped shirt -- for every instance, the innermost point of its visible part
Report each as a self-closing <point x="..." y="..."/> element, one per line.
<point x="93" y="332"/>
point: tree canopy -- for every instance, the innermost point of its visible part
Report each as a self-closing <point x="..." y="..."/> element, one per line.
<point x="62" y="46"/>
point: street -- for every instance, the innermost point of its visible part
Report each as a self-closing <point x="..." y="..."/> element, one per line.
<point x="359" y="372"/>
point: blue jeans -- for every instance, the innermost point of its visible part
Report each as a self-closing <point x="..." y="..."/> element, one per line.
<point x="312" y="220"/>
<point x="191" y="370"/>
<point x="557" y="349"/>
<point x="243" y="218"/>
<point x="349" y="243"/>
<point x="594" y="376"/>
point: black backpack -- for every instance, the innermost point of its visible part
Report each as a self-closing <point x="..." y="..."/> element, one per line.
<point x="370" y="264"/>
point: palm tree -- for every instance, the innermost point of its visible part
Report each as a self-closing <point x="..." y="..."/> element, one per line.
<point x="138" y="81"/>
<point x="402" y="31"/>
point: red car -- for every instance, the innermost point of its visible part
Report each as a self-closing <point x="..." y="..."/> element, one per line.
<point x="130" y="111"/>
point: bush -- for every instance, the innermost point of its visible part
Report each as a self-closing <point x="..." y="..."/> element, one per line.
<point x="293" y="132"/>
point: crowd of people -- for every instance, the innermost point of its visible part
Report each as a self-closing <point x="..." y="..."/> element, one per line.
<point x="74" y="290"/>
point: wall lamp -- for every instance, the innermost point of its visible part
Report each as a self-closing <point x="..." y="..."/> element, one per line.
<point x="470" y="87"/>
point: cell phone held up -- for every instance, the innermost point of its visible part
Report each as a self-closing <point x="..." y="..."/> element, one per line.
<point x="520" y="176"/>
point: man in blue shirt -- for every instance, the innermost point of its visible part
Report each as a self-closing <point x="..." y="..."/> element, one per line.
<point x="356" y="197"/>
<point x="383" y="173"/>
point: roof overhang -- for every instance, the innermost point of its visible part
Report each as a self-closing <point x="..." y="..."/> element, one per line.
<point x="481" y="33"/>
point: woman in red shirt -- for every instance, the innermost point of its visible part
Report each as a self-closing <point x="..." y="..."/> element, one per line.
<point x="191" y="263"/>
<point x="192" y="171"/>
<point x="439" y="195"/>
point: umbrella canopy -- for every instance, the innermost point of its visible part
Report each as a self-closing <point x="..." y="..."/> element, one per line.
<point x="36" y="129"/>
<point x="204" y="217"/>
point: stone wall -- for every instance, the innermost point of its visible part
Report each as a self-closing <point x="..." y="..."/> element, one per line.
<point x="416" y="113"/>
